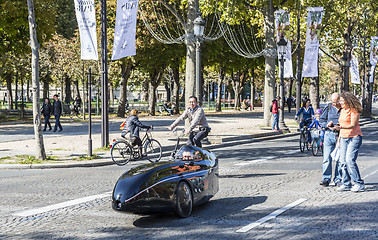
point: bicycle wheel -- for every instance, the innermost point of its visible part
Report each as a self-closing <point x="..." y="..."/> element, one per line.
<point x="153" y="150"/>
<point x="315" y="147"/>
<point x="308" y="144"/>
<point x="121" y="153"/>
<point x="302" y="142"/>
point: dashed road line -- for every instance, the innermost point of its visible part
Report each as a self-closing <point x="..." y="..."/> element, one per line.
<point x="371" y="174"/>
<point x="292" y="152"/>
<point x="270" y="216"/>
<point x="37" y="211"/>
<point x="256" y="161"/>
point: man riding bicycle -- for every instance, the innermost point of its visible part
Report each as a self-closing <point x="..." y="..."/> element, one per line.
<point x="199" y="128"/>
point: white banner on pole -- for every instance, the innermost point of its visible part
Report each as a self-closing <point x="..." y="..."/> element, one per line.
<point x="310" y="60"/>
<point x="125" y="29"/>
<point x="86" y="19"/>
<point x="354" y="74"/>
<point x="282" y="20"/>
<point x="373" y="56"/>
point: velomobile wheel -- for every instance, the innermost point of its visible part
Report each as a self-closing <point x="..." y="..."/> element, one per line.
<point x="184" y="204"/>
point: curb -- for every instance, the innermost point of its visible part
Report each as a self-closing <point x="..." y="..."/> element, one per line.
<point x="230" y="141"/>
<point x="226" y="142"/>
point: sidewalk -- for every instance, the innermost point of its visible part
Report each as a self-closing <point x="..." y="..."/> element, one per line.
<point x="228" y="127"/>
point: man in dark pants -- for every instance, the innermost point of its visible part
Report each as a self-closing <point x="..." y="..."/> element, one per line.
<point x="329" y="119"/>
<point x="57" y="108"/>
<point x="199" y="128"/>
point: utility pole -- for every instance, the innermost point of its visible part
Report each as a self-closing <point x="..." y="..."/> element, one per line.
<point x="104" y="79"/>
<point x="299" y="84"/>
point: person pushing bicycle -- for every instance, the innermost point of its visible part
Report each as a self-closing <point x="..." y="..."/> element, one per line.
<point x="199" y="128"/>
<point x="133" y="127"/>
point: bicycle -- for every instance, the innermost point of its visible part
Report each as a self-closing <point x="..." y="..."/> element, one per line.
<point x="303" y="139"/>
<point x="75" y="112"/>
<point x="122" y="151"/>
<point x="317" y="141"/>
<point x="179" y="136"/>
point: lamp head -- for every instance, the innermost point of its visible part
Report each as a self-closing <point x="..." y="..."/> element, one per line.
<point x="282" y="46"/>
<point x="199" y="26"/>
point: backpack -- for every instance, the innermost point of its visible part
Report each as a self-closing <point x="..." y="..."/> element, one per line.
<point x="271" y="107"/>
<point x="125" y="125"/>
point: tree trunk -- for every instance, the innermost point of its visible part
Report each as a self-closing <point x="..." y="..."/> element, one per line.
<point x="125" y="74"/>
<point x="28" y="90"/>
<point x="144" y="93"/>
<point x="314" y="92"/>
<point x="22" y="97"/>
<point x="190" y="52"/>
<point x="9" y="91"/>
<point x="253" y="87"/>
<point x="67" y="83"/>
<point x="219" y="93"/>
<point x="77" y="89"/>
<point x="269" y="61"/>
<point x="45" y="89"/>
<point x="35" y="82"/>
<point x="176" y="90"/>
<point x="153" y="84"/>
<point x="168" y="89"/>
<point x="16" y="92"/>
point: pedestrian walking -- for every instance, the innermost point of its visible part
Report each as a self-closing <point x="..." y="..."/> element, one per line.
<point x="46" y="111"/>
<point x="289" y="103"/>
<point x="328" y="120"/>
<point x="198" y="126"/>
<point x="350" y="142"/>
<point x="57" y="109"/>
<point x="274" y="109"/>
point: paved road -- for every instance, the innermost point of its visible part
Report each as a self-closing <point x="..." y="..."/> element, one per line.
<point x="256" y="180"/>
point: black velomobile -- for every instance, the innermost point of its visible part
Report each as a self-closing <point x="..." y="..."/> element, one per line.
<point x="191" y="179"/>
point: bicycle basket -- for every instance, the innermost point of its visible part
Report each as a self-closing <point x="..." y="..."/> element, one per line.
<point x="315" y="133"/>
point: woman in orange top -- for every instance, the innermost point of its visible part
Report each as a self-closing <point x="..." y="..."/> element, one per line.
<point x="350" y="142"/>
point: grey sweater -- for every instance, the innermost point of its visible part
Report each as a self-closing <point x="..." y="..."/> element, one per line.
<point x="196" y="119"/>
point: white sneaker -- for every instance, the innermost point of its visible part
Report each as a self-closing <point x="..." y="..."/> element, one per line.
<point x="358" y="188"/>
<point x="343" y="188"/>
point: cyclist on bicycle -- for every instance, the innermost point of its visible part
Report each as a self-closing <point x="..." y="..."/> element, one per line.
<point x="77" y="104"/>
<point x="199" y="128"/>
<point x="308" y="114"/>
<point x="133" y="126"/>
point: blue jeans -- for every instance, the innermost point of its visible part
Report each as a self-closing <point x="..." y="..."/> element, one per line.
<point x="57" y="123"/>
<point x="328" y="146"/>
<point x="275" y="121"/>
<point x="348" y="155"/>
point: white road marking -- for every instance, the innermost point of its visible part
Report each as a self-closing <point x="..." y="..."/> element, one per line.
<point x="61" y="205"/>
<point x="371" y="133"/>
<point x="371" y="174"/>
<point x="255" y="161"/>
<point x="292" y="152"/>
<point x="270" y="216"/>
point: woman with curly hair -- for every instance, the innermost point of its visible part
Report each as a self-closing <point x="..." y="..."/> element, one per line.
<point x="350" y="142"/>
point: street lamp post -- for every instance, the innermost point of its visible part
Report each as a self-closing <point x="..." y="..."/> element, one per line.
<point x="199" y="28"/>
<point x="282" y="50"/>
<point x="369" y="90"/>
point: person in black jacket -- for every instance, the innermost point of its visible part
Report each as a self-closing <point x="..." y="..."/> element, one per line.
<point x="57" y="109"/>
<point x="133" y="126"/>
<point x="46" y="110"/>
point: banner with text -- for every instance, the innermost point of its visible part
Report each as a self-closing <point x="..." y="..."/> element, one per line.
<point x="86" y="19"/>
<point x="282" y="20"/>
<point x="125" y="29"/>
<point x="354" y="74"/>
<point x="310" y="60"/>
<point x="373" y="56"/>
